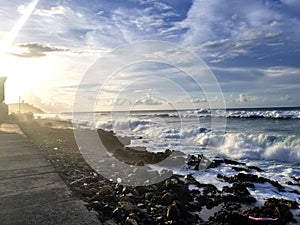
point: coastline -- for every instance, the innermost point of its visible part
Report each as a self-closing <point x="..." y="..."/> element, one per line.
<point x="180" y="199"/>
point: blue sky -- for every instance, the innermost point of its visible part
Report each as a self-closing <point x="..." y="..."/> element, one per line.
<point x="252" y="48"/>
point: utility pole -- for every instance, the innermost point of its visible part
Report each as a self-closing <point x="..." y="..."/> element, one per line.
<point x="19" y="104"/>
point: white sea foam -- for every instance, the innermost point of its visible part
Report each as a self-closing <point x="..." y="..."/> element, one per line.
<point x="272" y="145"/>
<point x="283" y="153"/>
<point x="269" y="114"/>
<point x="260" y="146"/>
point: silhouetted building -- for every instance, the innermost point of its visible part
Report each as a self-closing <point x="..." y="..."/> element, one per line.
<point x="2" y="89"/>
<point x="3" y="106"/>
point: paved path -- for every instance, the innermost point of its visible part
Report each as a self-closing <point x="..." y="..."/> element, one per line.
<point x="31" y="192"/>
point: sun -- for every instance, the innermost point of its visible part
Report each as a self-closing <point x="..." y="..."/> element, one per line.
<point x="19" y="81"/>
<point x="20" y="77"/>
<point x="23" y="75"/>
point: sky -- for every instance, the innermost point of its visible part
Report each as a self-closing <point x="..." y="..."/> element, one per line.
<point x="178" y="54"/>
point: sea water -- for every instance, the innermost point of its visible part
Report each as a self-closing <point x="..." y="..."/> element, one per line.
<point x="268" y="138"/>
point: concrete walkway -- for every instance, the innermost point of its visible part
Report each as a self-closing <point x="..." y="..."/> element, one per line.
<point x="31" y="192"/>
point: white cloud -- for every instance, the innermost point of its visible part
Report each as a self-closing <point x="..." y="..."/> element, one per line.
<point x="148" y="100"/>
<point x="294" y="4"/>
<point x="243" y="98"/>
<point x="227" y="29"/>
<point x="286" y="98"/>
<point x="281" y="71"/>
<point x="55" y="10"/>
<point x="199" y="100"/>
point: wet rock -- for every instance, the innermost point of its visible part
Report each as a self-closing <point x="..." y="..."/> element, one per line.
<point x="189" y="179"/>
<point x="220" y="176"/>
<point x="106" y="190"/>
<point x="139" y="163"/>
<point x="172" y="212"/>
<point x="209" y="189"/>
<point x="179" y="188"/>
<point x="240" y="169"/>
<point x="109" y="222"/>
<point x="128" y="206"/>
<point x="216" y="163"/>
<point x="149" y="195"/>
<point x="119" y="214"/>
<point x="275" y="208"/>
<point x="239" y="198"/>
<point x="167" y="198"/>
<point x="230" y="218"/>
<point x="194" y="207"/>
<point x="244" y="178"/>
<point x="255" y="168"/>
<point x="233" y="162"/>
<point x="110" y="199"/>
<point x="130" y="221"/>
<point x="144" y="217"/>
<point x="239" y="189"/>
<point x="126" y="190"/>
<point x="209" y="201"/>
<point x="198" y="162"/>
<point x="141" y="190"/>
<point x="232" y="206"/>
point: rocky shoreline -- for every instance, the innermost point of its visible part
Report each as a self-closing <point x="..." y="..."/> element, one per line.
<point x="180" y="199"/>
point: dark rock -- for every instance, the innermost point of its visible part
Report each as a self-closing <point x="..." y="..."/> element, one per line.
<point x="275" y="208"/>
<point x="208" y="201"/>
<point x="239" y="169"/>
<point x="133" y="216"/>
<point x="130" y="221"/>
<point x="209" y="189"/>
<point x="233" y="162"/>
<point x="139" y="163"/>
<point x="106" y="190"/>
<point x="119" y="214"/>
<point x="239" y="189"/>
<point x="220" y="176"/>
<point x="189" y="179"/>
<point x="230" y="218"/>
<point x="216" y="163"/>
<point x="167" y="198"/>
<point x="109" y="222"/>
<point x="110" y="199"/>
<point x="239" y="199"/>
<point x="141" y="189"/>
<point x="172" y="212"/>
<point x="255" y="168"/>
<point x="126" y="190"/>
<point x="107" y="210"/>
<point x="194" y="207"/>
<point x="248" y="184"/>
<point x="232" y="206"/>
<point x="129" y="155"/>
<point x="143" y="216"/>
<point x="157" y="200"/>
<point x="245" y="177"/>
<point x="179" y="188"/>
<point x="159" y="220"/>
<point x="127" y="206"/>
<point x="149" y="195"/>
<point x="198" y="162"/>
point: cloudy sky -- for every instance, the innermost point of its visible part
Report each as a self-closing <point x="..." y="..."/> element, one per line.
<point x="251" y="48"/>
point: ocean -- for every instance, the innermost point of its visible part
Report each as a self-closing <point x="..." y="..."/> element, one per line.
<point x="268" y="138"/>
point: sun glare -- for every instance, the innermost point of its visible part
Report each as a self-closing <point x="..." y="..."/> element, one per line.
<point x="21" y="77"/>
<point x="19" y="80"/>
